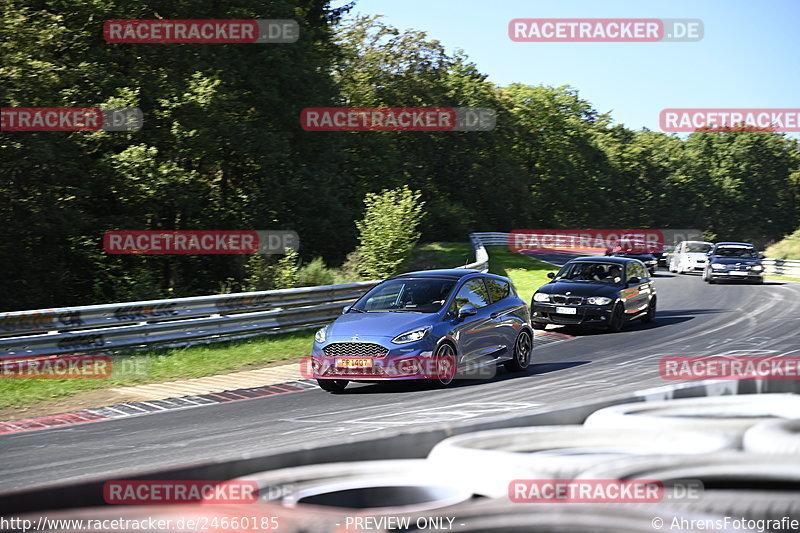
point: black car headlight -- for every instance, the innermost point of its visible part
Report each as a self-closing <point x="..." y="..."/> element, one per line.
<point x="598" y="300"/>
<point x="541" y="297"/>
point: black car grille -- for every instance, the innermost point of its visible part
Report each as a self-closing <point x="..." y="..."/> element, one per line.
<point x="355" y="349"/>
<point x="569" y="300"/>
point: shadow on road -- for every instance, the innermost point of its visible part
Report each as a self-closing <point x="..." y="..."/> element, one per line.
<point x="662" y="319"/>
<point x="393" y="387"/>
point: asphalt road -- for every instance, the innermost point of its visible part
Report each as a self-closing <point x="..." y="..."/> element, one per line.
<point x="693" y="319"/>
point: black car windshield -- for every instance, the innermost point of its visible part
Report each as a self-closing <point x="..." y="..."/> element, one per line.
<point x="736" y="251"/>
<point x="698" y="247"/>
<point x="419" y="295"/>
<point x="609" y="273"/>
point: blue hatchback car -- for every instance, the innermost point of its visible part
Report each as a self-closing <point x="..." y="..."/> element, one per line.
<point x="430" y="325"/>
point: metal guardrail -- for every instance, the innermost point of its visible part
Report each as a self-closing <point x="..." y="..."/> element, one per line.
<point x="126" y="325"/>
<point x="782" y="267"/>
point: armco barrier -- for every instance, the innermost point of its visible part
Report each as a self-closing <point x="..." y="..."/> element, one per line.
<point x="782" y="267"/>
<point x="111" y="327"/>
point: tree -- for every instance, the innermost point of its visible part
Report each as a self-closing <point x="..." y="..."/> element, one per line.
<point x="388" y="231"/>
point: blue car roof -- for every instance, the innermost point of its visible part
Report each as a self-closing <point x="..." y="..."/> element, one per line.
<point x="452" y="273"/>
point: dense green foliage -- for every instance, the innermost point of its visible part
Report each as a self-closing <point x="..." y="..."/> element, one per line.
<point x="222" y="148"/>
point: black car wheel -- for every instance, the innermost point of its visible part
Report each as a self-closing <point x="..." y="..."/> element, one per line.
<point x="333" y="385"/>
<point x="446" y="365"/>
<point x="617" y="319"/>
<point x="522" y="353"/>
<point x="651" y="311"/>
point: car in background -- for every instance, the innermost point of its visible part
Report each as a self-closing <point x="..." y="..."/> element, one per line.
<point x="739" y="261"/>
<point x="689" y="256"/>
<point x="427" y="325"/>
<point x="648" y="259"/>
<point x="663" y="256"/>
<point x="604" y="291"/>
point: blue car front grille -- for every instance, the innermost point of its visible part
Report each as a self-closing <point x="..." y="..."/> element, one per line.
<point x="355" y="349"/>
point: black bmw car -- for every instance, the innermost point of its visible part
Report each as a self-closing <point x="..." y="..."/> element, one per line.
<point x="734" y="261"/>
<point x="649" y="260"/>
<point x="605" y="291"/>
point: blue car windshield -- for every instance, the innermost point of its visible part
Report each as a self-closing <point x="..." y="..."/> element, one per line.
<point x="736" y="251"/>
<point x="610" y="273"/>
<point x="423" y="295"/>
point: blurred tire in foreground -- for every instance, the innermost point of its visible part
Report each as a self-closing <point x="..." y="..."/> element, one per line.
<point x="730" y="415"/>
<point x="774" y="437"/>
<point x="757" y="487"/>
<point x="502" y="516"/>
<point x="486" y="461"/>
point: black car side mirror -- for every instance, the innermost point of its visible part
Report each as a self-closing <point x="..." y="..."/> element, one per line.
<point x="634" y="280"/>
<point x="551" y="275"/>
<point x="467" y="310"/>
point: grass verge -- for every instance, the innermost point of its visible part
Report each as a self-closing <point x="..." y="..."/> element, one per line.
<point x="527" y="273"/>
<point x="782" y="278"/>
<point x="439" y="255"/>
<point x="167" y="365"/>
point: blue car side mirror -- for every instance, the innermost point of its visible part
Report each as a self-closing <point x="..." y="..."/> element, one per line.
<point x="345" y="309"/>
<point x="467" y="310"/>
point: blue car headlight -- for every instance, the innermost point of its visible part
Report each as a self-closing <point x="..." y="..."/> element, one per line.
<point x="412" y="336"/>
<point x="319" y="336"/>
<point x="717" y="266"/>
<point x="756" y="268"/>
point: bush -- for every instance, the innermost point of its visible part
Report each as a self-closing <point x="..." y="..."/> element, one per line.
<point x="266" y="274"/>
<point x="315" y="273"/>
<point x="388" y="232"/>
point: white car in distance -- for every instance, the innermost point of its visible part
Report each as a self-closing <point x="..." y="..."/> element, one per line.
<point x="689" y="256"/>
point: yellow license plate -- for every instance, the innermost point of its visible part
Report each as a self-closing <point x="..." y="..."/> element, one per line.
<point x="354" y="363"/>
